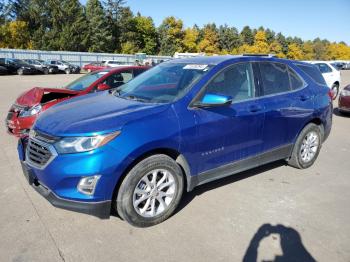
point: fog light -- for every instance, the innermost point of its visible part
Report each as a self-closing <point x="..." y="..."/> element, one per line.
<point x="88" y="184"/>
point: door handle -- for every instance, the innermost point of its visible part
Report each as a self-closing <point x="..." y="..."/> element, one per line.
<point x="304" y="97"/>
<point x="255" y="108"/>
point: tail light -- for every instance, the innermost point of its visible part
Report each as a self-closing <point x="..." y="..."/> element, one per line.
<point x="330" y="94"/>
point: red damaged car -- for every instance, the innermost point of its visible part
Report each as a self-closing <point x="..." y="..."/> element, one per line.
<point x="344" y="100"/>
<point x="31" y="103"/>
<point x="94" y="67"/>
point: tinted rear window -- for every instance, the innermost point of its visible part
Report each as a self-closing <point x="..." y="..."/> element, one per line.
<point x="274" y="77"/>
<point x="313" y="72"/>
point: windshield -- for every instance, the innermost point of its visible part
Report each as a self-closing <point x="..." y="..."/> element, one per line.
<point x="85" y="81"/>
<point x="163" y="83"/>
<point x="18" y="61"/>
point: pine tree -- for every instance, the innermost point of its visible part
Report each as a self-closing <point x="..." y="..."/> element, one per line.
<point x="74" y="27"/>
<point x="247" y="36"/>
<point x="228" y="38"/>
<point x="99" y="37"/>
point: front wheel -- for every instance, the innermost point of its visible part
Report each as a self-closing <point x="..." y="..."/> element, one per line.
<point x="150" y="192"/>
<point x="67" y="71"/>
<point x="307" y="147"/>
<point x="335" y="90"/>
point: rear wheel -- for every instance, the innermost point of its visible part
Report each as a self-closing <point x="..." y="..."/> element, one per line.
<point x="20" y="71"/>
<point x="335" y="90"/>
<point x="67" y="71"/>
<point x="307" y="147"/>
<point x="46" y="71"/>
<point x="150" y="192"/>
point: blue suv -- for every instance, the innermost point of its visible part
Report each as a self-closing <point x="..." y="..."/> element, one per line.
<point x="135" y="149"/>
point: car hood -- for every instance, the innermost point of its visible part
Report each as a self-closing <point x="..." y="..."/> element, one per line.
<point x="96" y="113"/>
<point x="33" y="96"/>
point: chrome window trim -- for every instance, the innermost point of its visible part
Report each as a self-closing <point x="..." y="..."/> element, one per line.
<point x="255" y="97"/>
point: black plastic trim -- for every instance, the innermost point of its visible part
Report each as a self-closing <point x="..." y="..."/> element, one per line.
<point x="282" y="152"/>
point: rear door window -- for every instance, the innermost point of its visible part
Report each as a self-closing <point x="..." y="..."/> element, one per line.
<point x="313" y="72"/>
<point x="295" y="80"/>
<point x="274" y="77"/>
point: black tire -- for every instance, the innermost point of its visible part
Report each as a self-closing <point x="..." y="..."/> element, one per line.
<point x="123" y="203"/>
<point x="295" y="159"/>
<point x="20" y="71"/>
<point x="46" y="71"/>
<point x="335" y="89"/>
<point x="67" y="71"/>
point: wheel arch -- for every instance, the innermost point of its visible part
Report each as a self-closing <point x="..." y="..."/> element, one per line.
<point x="172" y="153"/>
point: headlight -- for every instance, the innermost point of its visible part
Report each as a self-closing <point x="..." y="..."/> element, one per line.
<point x="31" y="111"/>
<point x="345" y="92"/>
<point x="69" y="145"/>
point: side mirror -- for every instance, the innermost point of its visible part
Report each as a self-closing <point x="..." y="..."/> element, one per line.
<point x="102" y="87"/>
<point x="214" y="100"/>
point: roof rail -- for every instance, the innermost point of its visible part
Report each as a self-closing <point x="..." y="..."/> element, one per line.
<point x="250" y="54"/>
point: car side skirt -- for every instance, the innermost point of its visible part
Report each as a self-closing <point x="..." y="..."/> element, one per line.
<point x="275" y="154"/>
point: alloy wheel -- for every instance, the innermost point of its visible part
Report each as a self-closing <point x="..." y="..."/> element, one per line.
<point x="309" y="146"/>
<point x="154" y="193"/>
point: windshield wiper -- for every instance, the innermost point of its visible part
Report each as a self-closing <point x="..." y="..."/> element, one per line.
<point x="135" y="98"/>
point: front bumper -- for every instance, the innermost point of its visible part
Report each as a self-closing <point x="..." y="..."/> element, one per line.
<point x="58" y="181"/>
<point x="100" y="209"/>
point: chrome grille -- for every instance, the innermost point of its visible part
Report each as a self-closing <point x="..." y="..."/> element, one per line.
<point x="39" y="151"/>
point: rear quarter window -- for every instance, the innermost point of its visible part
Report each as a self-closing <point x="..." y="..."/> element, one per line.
<point x="313" y="72"/>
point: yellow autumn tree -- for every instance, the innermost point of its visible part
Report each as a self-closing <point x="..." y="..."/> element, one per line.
<point x="260" y="43"/>
<point x="209" y="43"/>
<point x="190" y="40"/>
<point x="276" y="49"/>
<point x="295" y="52"/>
<point x="308" y="50"/>
<point x="15" y="34"/>
<point x="338" y="51"/>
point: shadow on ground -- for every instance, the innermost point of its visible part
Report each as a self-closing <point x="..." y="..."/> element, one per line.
<point x="189" y="196"/>
<point x="290" y="242"/>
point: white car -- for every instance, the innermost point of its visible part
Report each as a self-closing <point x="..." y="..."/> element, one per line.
<point x="112" y="63"/>
<point x="330" y="74"/>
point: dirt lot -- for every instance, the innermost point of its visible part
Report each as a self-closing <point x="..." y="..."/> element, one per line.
<point x="226" y="220"/>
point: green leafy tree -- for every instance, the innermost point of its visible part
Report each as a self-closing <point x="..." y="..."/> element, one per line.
<point x="228" y="38"/>
<point x="99" y="37"/>
<point x="171" y="36"/>
<point x="247" y="35"/>
<point x="281" y="39"/>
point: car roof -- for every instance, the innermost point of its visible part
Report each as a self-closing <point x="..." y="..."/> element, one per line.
<point x="210" y="60"/>
<point x="119" y="68"/>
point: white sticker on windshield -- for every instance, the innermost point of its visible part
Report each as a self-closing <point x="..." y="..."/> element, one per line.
<point x="195" y="67"/>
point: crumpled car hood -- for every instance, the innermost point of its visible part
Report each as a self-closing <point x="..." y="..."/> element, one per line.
<point x="33" y="96"/>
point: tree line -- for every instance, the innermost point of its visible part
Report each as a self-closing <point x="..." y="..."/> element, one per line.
<point x="111" y="26"/>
